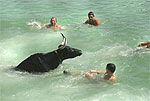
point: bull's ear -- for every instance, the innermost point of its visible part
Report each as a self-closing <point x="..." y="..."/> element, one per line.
<point x="61" y="47"/>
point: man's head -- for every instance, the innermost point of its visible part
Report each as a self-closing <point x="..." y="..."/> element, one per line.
<point x="91" y="15"/>
<point x="53" y="21"/>
<point x="110" y="68"/>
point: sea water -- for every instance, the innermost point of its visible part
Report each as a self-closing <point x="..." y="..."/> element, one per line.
<point x="125" y="23"/>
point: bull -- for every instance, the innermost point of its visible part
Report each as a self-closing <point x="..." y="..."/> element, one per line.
<point x="44" y="62"/>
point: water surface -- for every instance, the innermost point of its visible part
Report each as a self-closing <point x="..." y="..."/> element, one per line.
<point x="125" y="23"/>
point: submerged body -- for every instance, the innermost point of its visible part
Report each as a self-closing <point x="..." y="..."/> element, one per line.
<point x="92" y="20"/>
<point x="53" y="24"/>
<point x="107" y="75"/>
<point x="44" y="62"/>
<point x="40" y="62"/>
<point x="145" y="44"/>
<point x="93" y="74"/>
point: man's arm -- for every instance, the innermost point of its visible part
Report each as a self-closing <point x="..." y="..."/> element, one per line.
<point x="97" y="22"/>
<point x="59" y="27"/>
<point x="92" y="73"/>
<point x="97" y="71"/>
<point x="86" y="22"/>
<point x="89" y="75"/>
<point x="113" y="79"/>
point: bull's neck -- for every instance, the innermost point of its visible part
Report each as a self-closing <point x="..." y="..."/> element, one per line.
<point x="59" y="57"/>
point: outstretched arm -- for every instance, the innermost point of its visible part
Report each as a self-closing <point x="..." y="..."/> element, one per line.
<point x="92" y="73"/>
<point x="86" y="22"/>
<point x="97" y="71"/>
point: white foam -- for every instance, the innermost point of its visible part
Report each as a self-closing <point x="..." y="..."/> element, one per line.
<point x="35" y="24"/>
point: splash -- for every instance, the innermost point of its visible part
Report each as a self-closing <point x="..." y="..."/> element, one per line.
<point x="35" y="24"/>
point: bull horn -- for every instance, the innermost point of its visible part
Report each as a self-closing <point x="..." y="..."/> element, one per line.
<point x="64" y="41"/>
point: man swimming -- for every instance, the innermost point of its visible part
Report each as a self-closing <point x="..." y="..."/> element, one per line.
<point x="145" y="44"/>
<point x="53" y="24"/>
<point x="92" y="20"/>
<point x="108" y="75"/>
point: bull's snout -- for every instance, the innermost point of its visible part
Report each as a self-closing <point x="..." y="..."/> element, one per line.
<point x="80" y="52"/>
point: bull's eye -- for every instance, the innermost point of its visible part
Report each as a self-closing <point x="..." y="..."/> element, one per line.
<point x="72" y="50"/>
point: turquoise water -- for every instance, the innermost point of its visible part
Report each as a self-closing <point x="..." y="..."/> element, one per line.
<point x="125" y="23"/>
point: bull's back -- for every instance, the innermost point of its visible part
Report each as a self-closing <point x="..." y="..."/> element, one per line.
<point x="32" y="64"/>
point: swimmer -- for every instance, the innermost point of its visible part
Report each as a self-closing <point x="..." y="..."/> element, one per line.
<point x="92" y="20"/>
<point x="107" y="75"/>
<point x="53" y="24"/>
<point x="144" y="44"/>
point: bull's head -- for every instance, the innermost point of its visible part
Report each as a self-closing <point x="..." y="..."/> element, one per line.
<point x="65" y="52"/>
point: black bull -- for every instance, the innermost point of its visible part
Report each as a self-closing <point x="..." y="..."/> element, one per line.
<point x="44" y="62"/>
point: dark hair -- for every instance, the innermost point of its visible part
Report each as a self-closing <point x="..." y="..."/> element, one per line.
<point x="53" y="18"/>
<point x="91" y="13"/>
<point x="111" y="67"/>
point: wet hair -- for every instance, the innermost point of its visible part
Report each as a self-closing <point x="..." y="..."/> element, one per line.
<point x="111" y="67"/>
<point x="91" y="13"/>
<point x="53" y="18"/>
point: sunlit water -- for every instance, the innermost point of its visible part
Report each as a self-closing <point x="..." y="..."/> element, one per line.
<point x="125" y="23"/>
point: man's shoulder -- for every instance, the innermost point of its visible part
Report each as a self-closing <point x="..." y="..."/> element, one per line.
<point x="48" y="25"/>
<point x="98" y="22"/>
<point x="87" y="21"/>
<point x="113" y="78"/>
